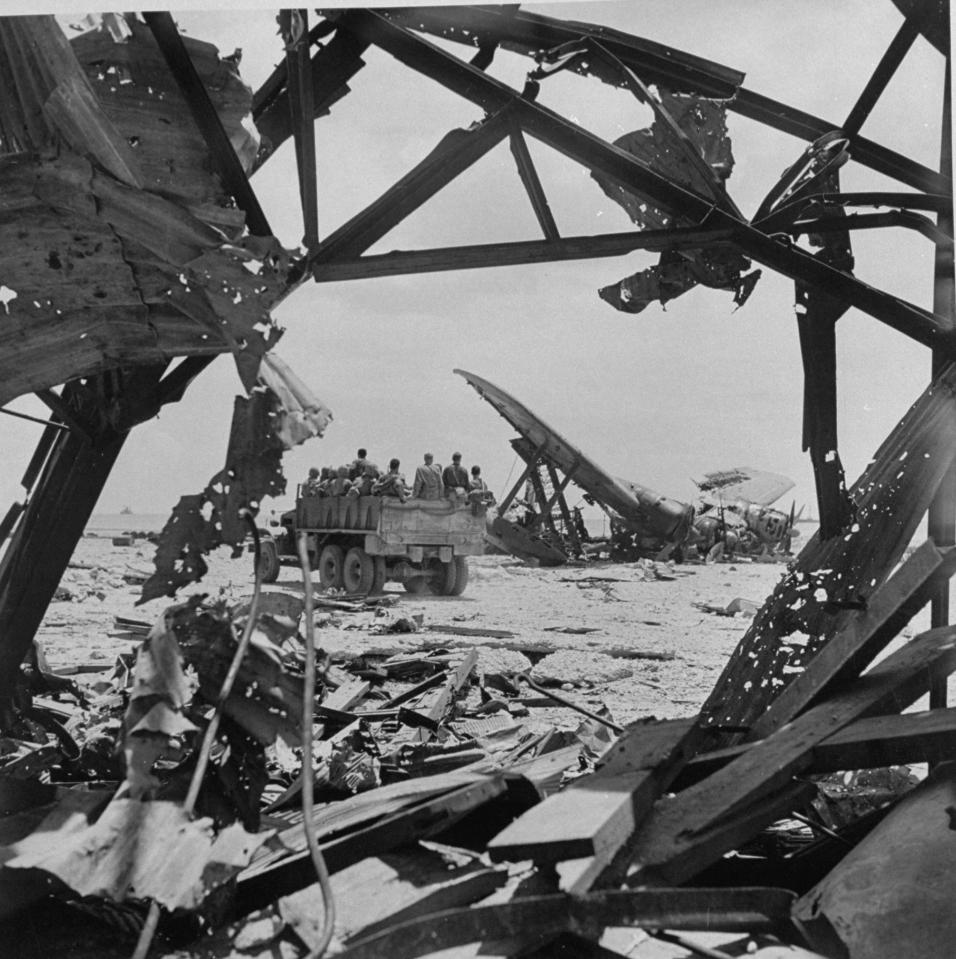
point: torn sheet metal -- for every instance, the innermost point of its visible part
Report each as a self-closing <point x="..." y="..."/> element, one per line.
<point x="704" y="123"/>
<point x="721" y="267"/>
<point x="121" y="248"/>
<point x="155" y="711"/>
<point x="139" y="850"/>
<point x="528" y="33"/>
<point x="301" y="415"/>
<point x="279" y="413"/>
<point x="201" y="523"/>
<point x="892" y="894"/>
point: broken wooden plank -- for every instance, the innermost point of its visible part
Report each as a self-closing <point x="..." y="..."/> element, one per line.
<point x="712" y="841"/>
<point x="522" y="919"/>
<point x="852" y="649"/>
<point x="434" y="712"/>
<point x="871" y="743"/>
<point x="668" y="845"/>
<point x="289" y="867"/>
<point x="349" y="694"/>
<point x="415" y="691"/>
<point x="596" y="814"/>
<point x="470" y="631"/>
<point x="410" y="882"/>
<point x="341" y="717"/>
<point x="545" y="771"/>
<point x="927" y="737"/>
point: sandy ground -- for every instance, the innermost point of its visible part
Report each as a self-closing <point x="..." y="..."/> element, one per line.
<point x="629" y="610"/>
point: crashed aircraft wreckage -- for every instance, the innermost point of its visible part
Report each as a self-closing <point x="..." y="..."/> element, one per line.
<point x="734" y="511"/>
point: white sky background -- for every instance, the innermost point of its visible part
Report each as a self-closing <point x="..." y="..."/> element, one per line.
<point x="659" y="397"/>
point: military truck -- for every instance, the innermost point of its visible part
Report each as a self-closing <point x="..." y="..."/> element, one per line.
<point x="358" y="543"/>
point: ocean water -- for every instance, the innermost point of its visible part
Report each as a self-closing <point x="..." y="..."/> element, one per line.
<point x="113" y="524"/>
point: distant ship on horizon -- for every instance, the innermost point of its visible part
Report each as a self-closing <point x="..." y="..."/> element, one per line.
<point x="126" y="511"/>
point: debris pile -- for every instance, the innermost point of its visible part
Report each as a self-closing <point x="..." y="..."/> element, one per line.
<point x="438" y="790"/>
<point x="425" y="736"/>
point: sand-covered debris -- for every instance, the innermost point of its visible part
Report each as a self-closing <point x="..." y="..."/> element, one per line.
<point x="498" y="660"/>
<point x="580" y="668"/>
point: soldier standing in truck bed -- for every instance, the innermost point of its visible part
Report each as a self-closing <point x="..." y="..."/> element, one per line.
<point x="358" y="464"/>
<point x="392" y="483"/>
<point x="428" y="483"/>
<point x="455" y="476"/>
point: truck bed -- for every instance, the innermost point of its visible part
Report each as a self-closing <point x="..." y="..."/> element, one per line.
<point x="391" y="527"/>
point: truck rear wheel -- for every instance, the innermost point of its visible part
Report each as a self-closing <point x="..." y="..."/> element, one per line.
<point x="358" y="571"/>
<point x="446" y="578"/>
<point x="268" y="561"/>
<point x="331" y="561"/>
<point x="461" y="575"/>
<point x="381" y="574"/>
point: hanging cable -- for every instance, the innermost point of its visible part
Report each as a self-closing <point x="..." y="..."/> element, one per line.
<point x="307" y="775"/>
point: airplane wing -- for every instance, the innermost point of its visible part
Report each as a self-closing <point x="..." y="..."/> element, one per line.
<point x="658" y="514"/>
<point x="746" y="483"/>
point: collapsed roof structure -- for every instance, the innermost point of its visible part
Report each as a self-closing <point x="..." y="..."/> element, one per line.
<point x="133" y="250"/>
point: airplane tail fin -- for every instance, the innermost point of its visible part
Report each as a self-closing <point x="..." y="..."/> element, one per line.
<point x="788" y="535"/>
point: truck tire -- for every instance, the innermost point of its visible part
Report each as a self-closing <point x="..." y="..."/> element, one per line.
<point x="268" y="561"/>
<point x="381" y="574"/>
<point x="461" y="575"/>
<point x="358" y="571"/>
<point x="446" y="578"/>
<point x="331" y="561"/>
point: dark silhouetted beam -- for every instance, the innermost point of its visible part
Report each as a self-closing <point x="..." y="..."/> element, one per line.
<point x="74" y="472"/>
<point x="656" y="63"/>
<point x="624" y="168"/>
<point x="529" y="33"/>
<point x="895" y="52"/>
<point x="520" y="252"/>
<point x="224" y="158"/>
<point x="303" y="121"/>
<point x="332" y="67"/>
<point x="942" y="511"/>
<point x="532" y="184"/>
<point x="456" y="152"/>
<point x="805" y="126"/>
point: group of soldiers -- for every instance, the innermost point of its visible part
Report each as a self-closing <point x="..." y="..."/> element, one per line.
<point x="363" y="478"/>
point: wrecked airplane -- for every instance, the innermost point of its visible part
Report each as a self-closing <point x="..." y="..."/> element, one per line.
<point x="733" y="516"/>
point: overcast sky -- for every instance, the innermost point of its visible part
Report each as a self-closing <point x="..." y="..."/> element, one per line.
<point x="660" y="397"/>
